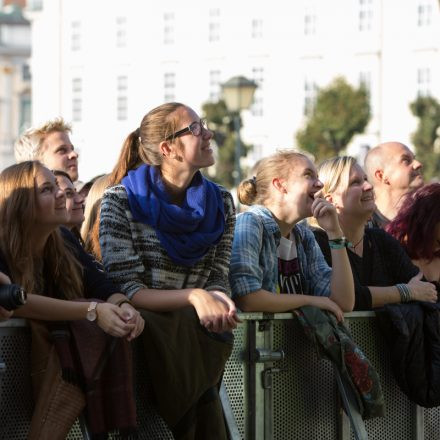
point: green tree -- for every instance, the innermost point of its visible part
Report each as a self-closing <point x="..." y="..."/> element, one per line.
<point x="340" y="112"/>
<point x="221" y="121"/>
<point x="427" y="109"/>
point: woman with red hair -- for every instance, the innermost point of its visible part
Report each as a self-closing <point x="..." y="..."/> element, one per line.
<point x="417" y="227"/>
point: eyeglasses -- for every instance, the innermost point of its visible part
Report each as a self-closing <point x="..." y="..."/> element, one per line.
<point x="196" y="128"/>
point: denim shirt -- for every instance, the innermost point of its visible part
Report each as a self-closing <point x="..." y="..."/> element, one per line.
<point x="254" y="260"/>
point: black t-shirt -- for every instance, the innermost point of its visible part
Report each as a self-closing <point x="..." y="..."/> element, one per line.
<point x="384" y="263"/>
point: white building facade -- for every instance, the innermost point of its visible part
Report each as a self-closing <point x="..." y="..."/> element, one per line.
<point x="15" y="83"/>
<point x="103" y="64"/>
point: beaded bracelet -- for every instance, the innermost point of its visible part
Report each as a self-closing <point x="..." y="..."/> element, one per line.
<point x="404" y="292"/>
<point x="338" y="243"/>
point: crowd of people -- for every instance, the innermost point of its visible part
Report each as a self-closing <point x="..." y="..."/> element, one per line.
<point x="155" y="249"/>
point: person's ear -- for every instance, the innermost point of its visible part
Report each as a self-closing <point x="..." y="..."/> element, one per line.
<point x="380" y="176"/>
<point x="279" y="185"/>
<point x="165" y="148"/>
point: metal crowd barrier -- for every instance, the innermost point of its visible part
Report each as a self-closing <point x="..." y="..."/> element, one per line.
<point x="275" y="387"/>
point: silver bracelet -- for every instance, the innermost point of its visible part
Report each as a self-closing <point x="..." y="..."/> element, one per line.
<point x="404" y="292"/>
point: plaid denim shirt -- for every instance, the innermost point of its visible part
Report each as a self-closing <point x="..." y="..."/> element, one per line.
<point x="254" y="261"/>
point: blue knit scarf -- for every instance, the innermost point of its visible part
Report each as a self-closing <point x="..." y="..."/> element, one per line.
<point x="186" y="232"/>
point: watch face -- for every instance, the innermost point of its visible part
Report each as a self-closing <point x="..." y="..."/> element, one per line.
<point x="91" y="312"/>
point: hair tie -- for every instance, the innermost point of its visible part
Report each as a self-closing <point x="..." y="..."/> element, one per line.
<point x="137" y="134"/>
<point x="254" y="180"/>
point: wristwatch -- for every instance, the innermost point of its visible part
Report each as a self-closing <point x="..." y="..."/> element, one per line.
<point x="91" y="311"/>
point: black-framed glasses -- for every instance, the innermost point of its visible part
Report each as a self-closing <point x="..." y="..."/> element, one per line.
<point x="196" y="128"/>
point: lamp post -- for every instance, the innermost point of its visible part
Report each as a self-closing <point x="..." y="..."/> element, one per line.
<point x="238" y="93"/>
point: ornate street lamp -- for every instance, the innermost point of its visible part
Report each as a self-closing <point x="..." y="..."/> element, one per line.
<point x="238" y="94"/>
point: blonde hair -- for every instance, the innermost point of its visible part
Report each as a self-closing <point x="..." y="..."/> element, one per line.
<point x="17" y="217"/>
<point x="28" y="145"/>
<point x="256" y="190"/>
<point x="334" y="173"/>
<point x="90" y="226"/>
<point x="142" y="145"/>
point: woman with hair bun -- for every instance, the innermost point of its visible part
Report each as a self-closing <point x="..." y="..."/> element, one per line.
<point x="272" y="253"/>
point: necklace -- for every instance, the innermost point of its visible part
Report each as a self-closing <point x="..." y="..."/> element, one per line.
<point x="357" y="244"/>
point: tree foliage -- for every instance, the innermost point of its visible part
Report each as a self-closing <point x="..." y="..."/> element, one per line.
<point x="221" y="121"/>
<point x="340" y="112"/>
<point x="427" y="109"/>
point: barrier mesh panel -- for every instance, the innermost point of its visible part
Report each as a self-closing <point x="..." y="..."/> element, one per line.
<point x="234" y="378"/>
<point x="398" y="423"/>
<point x="16" y="403"/>
<point x="305" y="394"/>
<point x="432" y="423"/>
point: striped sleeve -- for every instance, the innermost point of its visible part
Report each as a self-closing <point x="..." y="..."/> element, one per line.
<point x="119" y="256"/>
<point x="219" y="276"/>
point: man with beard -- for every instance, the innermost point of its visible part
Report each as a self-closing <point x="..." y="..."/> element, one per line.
<point x="393" y="171"/>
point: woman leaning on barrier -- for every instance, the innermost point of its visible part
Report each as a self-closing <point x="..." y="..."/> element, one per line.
<point x="165" y="236"/>
<point x="58" y="275"/>
<point x="383" y="273"/>
<point x="273" y="253"/>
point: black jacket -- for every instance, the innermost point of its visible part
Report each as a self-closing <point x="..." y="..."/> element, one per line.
<point x="412" y="332"/>
<point x="384" y="263"/>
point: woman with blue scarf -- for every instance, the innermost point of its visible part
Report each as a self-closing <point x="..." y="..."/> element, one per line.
<point x="165" y="235"/>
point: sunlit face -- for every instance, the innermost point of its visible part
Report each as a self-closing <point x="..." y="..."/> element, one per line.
<point x="74" y="202"/>
<point x="357" y="199"/>
<point x="50" y="202"/>
<point x="57" y="153"/>
<point x="195" y="152"/>
<point x="402" y="170"/>
<point x="301" y="188"/>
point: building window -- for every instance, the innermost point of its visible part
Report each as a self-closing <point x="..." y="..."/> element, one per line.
<point x="310" y="92"/>
<point x="214" y="25"/>
<point x="76" y="99"/>
<point x="309" y="24"/>
<point x="214" y="85"/>
<point x="258" y="77"/>
<point x="257" y="29"/>
<point x="25" y="72"/>
<point x="169" y="86"/>
<point x="25" y="112"/>
<point x="122" y="98"/>
<point x="121" y="32"/>
<point x="424" y="81"/>
<point x="365" y="22"/>
<point x="424" y="13"/>
<point x="75" y="35"/>
<point x="168" y="28"/>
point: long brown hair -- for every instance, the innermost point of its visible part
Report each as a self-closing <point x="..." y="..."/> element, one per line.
<point x="141" y="145"/>
<point x="92" y="213"/>
<point x="17" y="218"/>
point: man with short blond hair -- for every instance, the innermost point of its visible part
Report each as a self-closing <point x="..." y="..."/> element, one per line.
<point x="393" y="171"/>
<point x="51" y="145"/>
